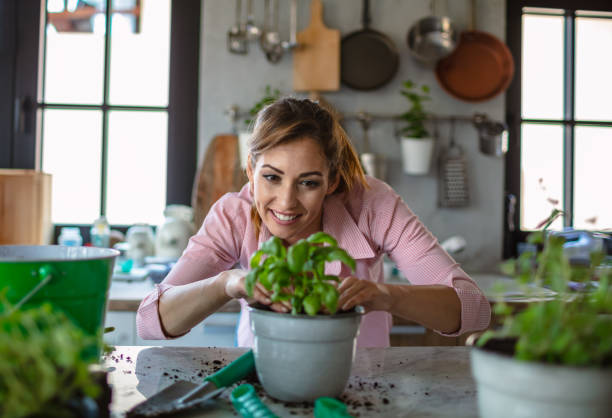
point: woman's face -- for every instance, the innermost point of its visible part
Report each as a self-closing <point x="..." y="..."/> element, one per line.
<point x="289" y="183"/>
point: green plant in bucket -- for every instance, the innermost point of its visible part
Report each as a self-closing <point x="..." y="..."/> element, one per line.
<point x="43" y="362"/>
<point x="297" y="274"/>
<point x="575" y="328"/>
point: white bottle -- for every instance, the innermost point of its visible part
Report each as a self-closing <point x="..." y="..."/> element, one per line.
<point x="100" y="233"/>
<point x="70" y="236"/>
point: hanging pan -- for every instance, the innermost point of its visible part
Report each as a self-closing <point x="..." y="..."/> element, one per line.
<point x="480" y="68"/>
<point x="369" y="58"/>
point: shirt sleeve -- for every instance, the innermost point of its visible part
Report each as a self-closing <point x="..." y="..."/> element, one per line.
<point x="215" y="248"/>
<point x="421" y="259"/>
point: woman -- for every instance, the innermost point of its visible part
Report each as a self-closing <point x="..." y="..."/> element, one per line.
<point x="304" y="177"/>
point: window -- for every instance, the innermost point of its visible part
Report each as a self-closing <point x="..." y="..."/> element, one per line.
<point x="116" y="107"/>
<point x="560" y="116"/>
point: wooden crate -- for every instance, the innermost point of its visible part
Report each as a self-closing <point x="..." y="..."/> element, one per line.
<point x="25" y="207"/>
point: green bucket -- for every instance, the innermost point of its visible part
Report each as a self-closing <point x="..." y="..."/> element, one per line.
<point x="74" y="280"/>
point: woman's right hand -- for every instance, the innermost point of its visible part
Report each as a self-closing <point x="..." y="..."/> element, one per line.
<point x="235" y="288"/>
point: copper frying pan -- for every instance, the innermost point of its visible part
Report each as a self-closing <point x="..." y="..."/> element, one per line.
<point x="480" y="68"/>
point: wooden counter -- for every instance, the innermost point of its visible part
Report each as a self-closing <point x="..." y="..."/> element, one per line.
<point x="390" y="382"/>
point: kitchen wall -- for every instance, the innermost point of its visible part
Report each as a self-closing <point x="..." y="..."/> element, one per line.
<point x="229" y="79"/>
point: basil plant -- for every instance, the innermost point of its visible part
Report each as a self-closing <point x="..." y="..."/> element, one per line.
<point x="297" y="274"/>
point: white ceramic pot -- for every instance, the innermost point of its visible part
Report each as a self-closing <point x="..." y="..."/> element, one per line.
<point x="300" y="357"/>
<point x="511" y="388"/>
<point x="416" y="154"/>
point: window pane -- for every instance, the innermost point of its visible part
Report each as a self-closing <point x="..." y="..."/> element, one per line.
<point x="74" y="60"/>
<point x="72" y="142"/>
<point x="593" y="63"/>
<point x="137" y="144"/>
<point x="542" y="67"/>
<point x="541" y="173"/>
<point x="592" y="200"/>
<point x="140" y="60"/>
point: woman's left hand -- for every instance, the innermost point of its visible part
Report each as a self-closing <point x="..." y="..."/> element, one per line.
<point x="372" y="296"/>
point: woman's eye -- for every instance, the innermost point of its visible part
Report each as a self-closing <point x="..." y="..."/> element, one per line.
<point x="271" y="177"/>
<point x="310" y="183"/>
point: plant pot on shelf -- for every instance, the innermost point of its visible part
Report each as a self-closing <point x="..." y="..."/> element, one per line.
<point x="301" y="357"/>
<point x="508" y="387"/>
<point x="417" y="155"/>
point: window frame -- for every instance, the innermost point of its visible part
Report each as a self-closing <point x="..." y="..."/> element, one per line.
<point x="512" y="195"/>
<point x="20" y="142"/>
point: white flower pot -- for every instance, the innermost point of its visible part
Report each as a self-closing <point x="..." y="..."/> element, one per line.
<point x="512" y="388"/>
<point x="300" y="357"/>
<point x="243" y="149"/>
<point x="416" y="155"/>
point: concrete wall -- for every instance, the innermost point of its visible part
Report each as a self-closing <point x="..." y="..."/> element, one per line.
<point x="229" y="79"/>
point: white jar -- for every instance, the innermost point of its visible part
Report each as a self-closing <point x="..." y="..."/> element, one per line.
<point x="70" y="236"/>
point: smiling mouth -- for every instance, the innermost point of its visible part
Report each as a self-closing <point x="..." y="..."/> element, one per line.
<point x="283" y="217"/>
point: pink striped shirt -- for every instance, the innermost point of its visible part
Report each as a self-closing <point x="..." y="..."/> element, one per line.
<point x="367" y="224"/>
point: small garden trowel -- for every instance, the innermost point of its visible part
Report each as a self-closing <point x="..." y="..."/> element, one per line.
<point x="182" y="394"/>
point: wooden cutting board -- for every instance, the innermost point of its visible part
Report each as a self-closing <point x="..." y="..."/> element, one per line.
<point x="316" y="61"/>
<point x="219" y="173"/>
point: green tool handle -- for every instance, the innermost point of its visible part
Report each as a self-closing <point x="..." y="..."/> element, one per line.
<point x="236" y="370"/>
<point x="247" y="403"/>
<point x="330" y="408"/>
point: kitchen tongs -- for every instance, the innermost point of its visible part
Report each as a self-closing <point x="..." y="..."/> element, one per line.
<point x="183" y="395"/>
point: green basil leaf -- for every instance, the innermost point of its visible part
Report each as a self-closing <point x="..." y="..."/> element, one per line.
<point x="273" y="246"/>
<point x="256" y="258"/>
<point x="251" y="279"/>
<point x="280" y="274"/>
<point x="264" y="279"/>
<point x="330" y="299"/>
<point x="312" y="304"/>
<point x="297" y="255"/>
<point x="321" y="238"/>
<point x="341" y="255"/>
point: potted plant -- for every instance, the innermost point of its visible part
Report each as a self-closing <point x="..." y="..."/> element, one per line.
<point x="46" y="366"/>
<point x="269" y="97"/>
<point x="308" y="353"/>
<point x="554" y="358"/>
<point x="417" y="145"/>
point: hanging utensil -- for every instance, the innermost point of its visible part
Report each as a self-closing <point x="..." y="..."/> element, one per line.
<point x="252" y="31"/>
<point x="270" y="38"/>
<point x="492" y="135"/>
<point x="237" y="41"/>
<point x="292" y="43"/>
<point x="369" y="58"/>
<point x="432" y="38"/>
<point x="453" y="190"/>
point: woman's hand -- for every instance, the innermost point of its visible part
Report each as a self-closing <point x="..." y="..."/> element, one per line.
<point x="235" y="288"/>
<point x="372" y="296"/>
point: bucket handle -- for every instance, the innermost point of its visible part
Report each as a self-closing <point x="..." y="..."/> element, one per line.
<point x="45" y="274"/>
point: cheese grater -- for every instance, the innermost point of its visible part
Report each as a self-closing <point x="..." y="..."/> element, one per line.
<point x="453" y="190"/>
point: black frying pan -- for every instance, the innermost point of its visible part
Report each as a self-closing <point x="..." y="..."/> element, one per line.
<point x="369" y="59"/>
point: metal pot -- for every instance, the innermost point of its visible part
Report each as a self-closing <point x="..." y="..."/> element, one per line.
<point x="432" y="38"/>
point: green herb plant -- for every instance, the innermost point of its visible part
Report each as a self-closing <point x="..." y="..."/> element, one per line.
<point x="414" y="118"/>
<point x="269" y="97"/>
<point x="297" y="274"/>
<point x="575" y="328"/>
<point x="43" y="362"/>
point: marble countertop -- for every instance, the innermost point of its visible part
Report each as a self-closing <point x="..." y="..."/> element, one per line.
<point x="390" y="382"/>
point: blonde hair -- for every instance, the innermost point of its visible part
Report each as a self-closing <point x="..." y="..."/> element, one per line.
<point x="289" y="119"/>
